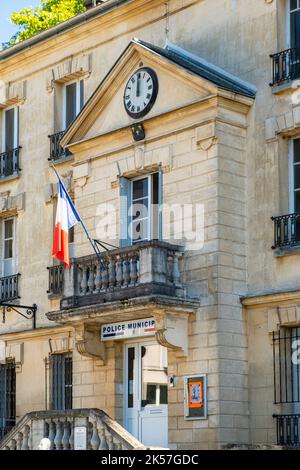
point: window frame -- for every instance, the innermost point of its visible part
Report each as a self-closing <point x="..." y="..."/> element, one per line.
<point x="16" y="127"/>
<point x="288" y="22"/>
<point x="79" y="98"/>
<point x="3" y="239"/>
<point x="150" y="227"/>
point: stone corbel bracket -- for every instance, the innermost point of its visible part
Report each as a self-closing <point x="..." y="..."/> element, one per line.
<point x="205" y="135"/>
<point x="81" y="174"/>
<point x="76" y="67"/>
<point x="13" y="351"/>
<point x="11" y="204"/>
<point x="88" y="344"/>
<point x="12" y="93"/>
<point x="172" y="331"/>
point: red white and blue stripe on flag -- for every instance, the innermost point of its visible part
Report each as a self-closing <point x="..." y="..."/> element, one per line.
<point x="66" y="217"/>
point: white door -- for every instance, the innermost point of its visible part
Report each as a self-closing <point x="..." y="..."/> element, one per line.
<point x="146" y="392"/>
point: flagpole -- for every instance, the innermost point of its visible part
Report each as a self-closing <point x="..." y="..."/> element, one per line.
<point x="81" y="221"/>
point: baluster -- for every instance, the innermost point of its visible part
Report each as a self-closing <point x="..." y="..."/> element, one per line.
<point x="26" y="432"/>
<point x="66" y="435"/>
<point x="95" y="441"/>
<point x="103" y="442"/>
<point x="13" y="445"/>
<point x="91" y="278"/>
<point x="126" y="271"/>
<point x="7" y="448"/>
<point x="19" y="440"/>
<point x="46" y="429"/>
<point x="104" y="275"/>
<point x="79" y="279"/>
<point x="98" y="278"/>
<point x="89" y="427"/>
<point x="133" y="270"/>
<point x="111" y="273"/>
<point x="84" y="280"/>
<point x="71" y="440"/>
<point x="176" y="271"/>
<point x="59" y="435"/>
<point x="110" y="442"/>
<point x="119" y="271"/>
<point x="52" y="433"/>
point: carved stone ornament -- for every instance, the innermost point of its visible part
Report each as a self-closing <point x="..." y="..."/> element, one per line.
<point x="206" y="136"/>
<point x="87" y="342"/>
<point x="172" y="331"/>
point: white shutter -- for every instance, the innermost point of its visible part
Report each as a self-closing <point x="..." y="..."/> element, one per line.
<point x="125" y="203"/>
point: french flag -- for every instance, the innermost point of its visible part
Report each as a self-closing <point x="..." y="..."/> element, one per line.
<point x="66" y="217"/>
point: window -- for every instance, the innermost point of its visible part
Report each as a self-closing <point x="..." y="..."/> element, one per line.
<point x="9" y="163"/>
<point x="61" y="381"/>
<point x="286" y="344"/>
<point x="73" y="101"/>
<point x="7" y="397"/>
<point x="140" y="210"/>
<point x="8" y="247"/>
<point x="10" y="129"/>
<point x="294" y="176"/>
<point x="294" y="23"/>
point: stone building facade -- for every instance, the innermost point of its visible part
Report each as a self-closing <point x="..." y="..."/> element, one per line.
<point x="218" y="145"/>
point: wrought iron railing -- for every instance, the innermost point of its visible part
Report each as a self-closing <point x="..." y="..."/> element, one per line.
<point x="288" y="430"/>
<point x="57" y="152"/>
<point x="285" y="66"/>
<point x="9" y="163"/>
<point x="286" y="230"/>
<point x="286" y="366"/>
<point x="56" y="279"/>
<point x="9" y="287"/>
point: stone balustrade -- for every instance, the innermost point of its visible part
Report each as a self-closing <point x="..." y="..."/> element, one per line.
<point x="103" y="433"/>
<point x="151" y="267"/>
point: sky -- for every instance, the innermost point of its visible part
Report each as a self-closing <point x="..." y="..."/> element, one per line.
<point x="7" y="7"/>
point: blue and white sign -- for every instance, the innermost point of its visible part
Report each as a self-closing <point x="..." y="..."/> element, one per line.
<point x="128" y="329"/>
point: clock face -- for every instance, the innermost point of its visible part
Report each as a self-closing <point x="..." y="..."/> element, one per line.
<point x="141" y="92"/>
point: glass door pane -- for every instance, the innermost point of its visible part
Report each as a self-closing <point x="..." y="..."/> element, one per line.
<point x="9" y="130"/>
<point x="154" y="373"/>
<point x="71" y="103"/>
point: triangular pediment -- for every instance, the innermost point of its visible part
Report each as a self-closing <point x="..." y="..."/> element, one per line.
<point x="179" y="84"/>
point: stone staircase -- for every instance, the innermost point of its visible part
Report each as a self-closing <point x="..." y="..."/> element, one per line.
<point x="102" y="432"/>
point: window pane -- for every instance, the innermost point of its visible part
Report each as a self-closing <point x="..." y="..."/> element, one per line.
<point x="130" y="377"/>
<point x="140" y="189"/>
<point x="139" y="230"/>
<point x="8" y="249"/>
<point x="81" y="84"/>
<point x="293" y="4"/>
<point x="139" y="210"/>
<point x="296" y="176"/>
<point x="297" y="201"/>
<point x="296" y="150"/>
<point x="8" y="228"/>
<point x="70" y="103"/>
<point x="9" y="129"/>
<point x="295" y="28"/>
<point x="154" y="376"/>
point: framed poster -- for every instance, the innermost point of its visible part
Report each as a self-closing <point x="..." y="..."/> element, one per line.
<point x="195" y="400"/>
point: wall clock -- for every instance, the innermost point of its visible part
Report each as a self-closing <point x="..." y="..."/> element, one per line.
<point x="141" y="92"/>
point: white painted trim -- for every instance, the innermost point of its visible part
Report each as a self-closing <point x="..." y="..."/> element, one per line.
<point x="16" y="126"/>
<point x="291" y="175"/>
<point x="14" y="257"/>
<point x="288" y="24"/>
<point x="78" y="108"/>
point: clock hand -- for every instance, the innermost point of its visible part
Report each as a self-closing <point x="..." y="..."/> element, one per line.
<point x="138" y="87"/>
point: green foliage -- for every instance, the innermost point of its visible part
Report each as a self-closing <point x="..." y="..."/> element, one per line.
<point x="34" y="20"/>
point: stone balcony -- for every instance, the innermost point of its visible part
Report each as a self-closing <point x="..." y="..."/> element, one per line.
<point x="139" y="281"/>
<point x="147" y="268"/>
